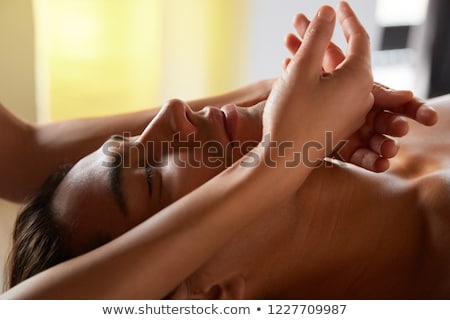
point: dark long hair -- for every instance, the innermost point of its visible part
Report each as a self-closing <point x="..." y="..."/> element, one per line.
<point x="38" y="243"/>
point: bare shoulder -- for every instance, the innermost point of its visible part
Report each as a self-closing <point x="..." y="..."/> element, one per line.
<point x="433" y="195"/>
<point x="442" y="106"/>
<point x="434" y="198"/>
<point x="440" y="102"/>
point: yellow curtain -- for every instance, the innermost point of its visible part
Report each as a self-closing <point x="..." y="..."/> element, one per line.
<point x="98" y="57"/>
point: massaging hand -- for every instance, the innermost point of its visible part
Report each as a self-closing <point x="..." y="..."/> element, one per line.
<point x="304" y="103"/>
<point x="253" y="94"/>
<point x="371" y="145"/>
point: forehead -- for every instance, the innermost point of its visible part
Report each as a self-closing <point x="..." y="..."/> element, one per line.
<point x="86" y="179"/>
<point x="84" y="206"/>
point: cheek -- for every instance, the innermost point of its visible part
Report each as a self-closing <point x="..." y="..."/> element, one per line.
<point x="182" y="175"/>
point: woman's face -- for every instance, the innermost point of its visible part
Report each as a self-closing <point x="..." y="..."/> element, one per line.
<point x="129" y="179"/>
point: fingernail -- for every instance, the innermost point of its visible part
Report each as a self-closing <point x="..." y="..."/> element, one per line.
<point x="326" y="13"/>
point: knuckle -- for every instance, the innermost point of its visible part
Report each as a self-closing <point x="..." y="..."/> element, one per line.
<point x="317" y="30"/>
<point x="311" y="31"/>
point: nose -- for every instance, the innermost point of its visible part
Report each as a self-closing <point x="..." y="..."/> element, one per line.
<point x="172" y="119"/>
<point x="172" y="122"/>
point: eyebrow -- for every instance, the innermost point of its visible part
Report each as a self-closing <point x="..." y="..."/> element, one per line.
<point x="115" y="183"/>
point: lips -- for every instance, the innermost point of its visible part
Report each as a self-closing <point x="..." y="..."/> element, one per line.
<point x="230" y="120"/>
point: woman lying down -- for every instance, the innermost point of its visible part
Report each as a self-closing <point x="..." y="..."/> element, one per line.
<point x="235" y="202"/>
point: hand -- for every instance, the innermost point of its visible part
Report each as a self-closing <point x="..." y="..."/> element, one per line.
<point x="246" y="96"/>
<point x="253" y="93"/>
<point x="304" y="102"/>
<point x="371" y="146"/>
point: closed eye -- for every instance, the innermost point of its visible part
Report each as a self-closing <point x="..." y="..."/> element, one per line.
<point x="119" y="137"/>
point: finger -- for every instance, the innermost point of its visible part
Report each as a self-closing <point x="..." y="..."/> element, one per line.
<point x="426" y="115"/>
<point x="355" y="34"/>
<point x="292" y="43"/>
<point x="387" y="97"/>
<point x="286" y="62"/>
<point x="384" y="146"/>
<point x="333" y="56"/>
<point x="301" y="23"/>
<point x="418" y="110"/>
<point x="391" y="124"/>
<point x="369" y="160"/>
<point x="403" y="102"/>
<point x="315" y="42"/>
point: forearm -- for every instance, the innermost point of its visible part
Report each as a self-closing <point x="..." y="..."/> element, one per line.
<point x="34" y="152"/>
<point x="152" y="259"/>
<point x="244" y="97"/>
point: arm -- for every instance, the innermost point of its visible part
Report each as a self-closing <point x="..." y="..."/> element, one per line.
<point x="372" y="145"/>
<point x="147" y="261"/>
<point x="31" y="153"/>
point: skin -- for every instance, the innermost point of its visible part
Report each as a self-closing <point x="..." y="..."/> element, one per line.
<point x="376" y="236"/>
<point x="32" y="152"/>
<point x="154" y="245"/>
<point x="102" y="216"/>
<point x="304" y="233"/>
<point x="387" y="246"/>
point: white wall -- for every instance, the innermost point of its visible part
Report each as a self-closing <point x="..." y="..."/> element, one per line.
<point x="272" y="20"/>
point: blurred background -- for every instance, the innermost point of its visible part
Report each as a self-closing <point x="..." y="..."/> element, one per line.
<point x="74" y="58"/>
<point x="62" y="59"/>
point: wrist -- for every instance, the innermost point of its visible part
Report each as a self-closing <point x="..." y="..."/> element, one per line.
<point x="266" y="166"/>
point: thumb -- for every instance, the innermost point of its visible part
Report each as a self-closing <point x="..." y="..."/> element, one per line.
<point x="388" y="97"/>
